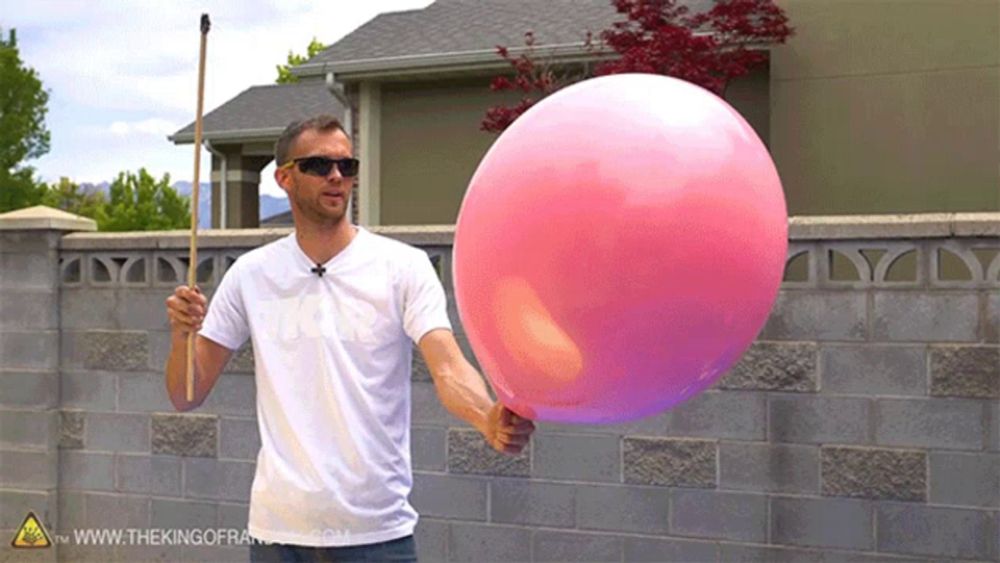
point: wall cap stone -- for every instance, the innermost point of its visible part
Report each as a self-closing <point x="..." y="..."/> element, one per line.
<point x="918" y="225"/>
<point x="41" y="217"/>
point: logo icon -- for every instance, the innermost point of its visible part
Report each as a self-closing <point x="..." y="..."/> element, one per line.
<point x="31" y="534"/>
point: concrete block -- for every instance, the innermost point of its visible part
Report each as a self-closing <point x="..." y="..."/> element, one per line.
<point x="481" y="542"/>
<point x="117" y="432"/>
<point x="29" y="429"/>
<point x="468" y="452"/>
<point x="571" y="546"/>
<point x="937" y="532"/>
<point x="992" y="422"/>
<point x="183" y="514"/>
<point x="431" y="537"/>
<point x="29" y="389"/>
<point x="234" y="516"/>
<point x="965" y="479"/>
<point x="35" y="350"/>
<point x="185" y="434"/>
<point x="72" y="512"/>
<point x="159" y="349"/>
<point x="24" y="470"/>
<point x="85" y="470"/>
<point x="906" y="316"/>
<point x="418" y="367"/>
<point x="670" y="462"/>
<point x="449" y="496"/>
<point x="743" y="553"/>
<point x="232" y="395"/>
<point x="427" y="409"/>
<point x="515" y="501"/>
<point x="141" y="309"/>
<point x="873" y="369"/>
<point x="656" y="550"/>
<point x="83" y="308"/>
<point x="719" y="415"/>
<point x="931" y="423"/>
<point x="115" y="511"/>
<point x="28" y="310"/>
<point x="29" y="242"/>
<point x="71" y="430"/>
<point x="143" y="392"/>
<point x="239" y="438"/>
<point x="711" y="514"/>
<point x="834" y="523"/>
<point x="22" y="270"/>
<point x="17" y="504"/>
<point x="242" y="361"/>
<point x="769" y="467"/>
<point x="880" y="474"/>
<point x="115" y="350"/>
<point x="809" y="419"/>
<point x="428" y="448"/>
<point x="809" y="315"/>
<point x="965" y="371"/>
<point x="576" y="457"/>
<point x="217" y="479"/>
<point x="774" y="366"/>
<point x="92" y="390"/>
<point x="155" y="475"/>
<point x="622" y="508"/>
<point x="992" y="319"/>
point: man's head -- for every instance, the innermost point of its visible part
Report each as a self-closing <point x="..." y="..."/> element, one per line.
<point x="316" y="168"/>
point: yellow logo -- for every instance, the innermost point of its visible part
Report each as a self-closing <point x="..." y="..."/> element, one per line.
<point x="31" y="533"/>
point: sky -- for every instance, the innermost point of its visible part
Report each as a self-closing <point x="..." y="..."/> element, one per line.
<point x="122" y="75"/>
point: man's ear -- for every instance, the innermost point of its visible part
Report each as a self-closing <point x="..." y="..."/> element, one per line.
<point x="282" y="176"/>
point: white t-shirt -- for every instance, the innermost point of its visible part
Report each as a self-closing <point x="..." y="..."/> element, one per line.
<point x="332" y="358"/>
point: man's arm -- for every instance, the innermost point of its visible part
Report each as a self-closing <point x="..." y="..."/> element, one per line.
<point x="463" y="392"/>
<point x="186" y="311"/>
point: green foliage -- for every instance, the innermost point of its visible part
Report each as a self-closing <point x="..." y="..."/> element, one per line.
<point x="19" y="189"/>
<point x="285" y="75"/>
<point x="139" y="202"/>
<point x="68" y="196"/>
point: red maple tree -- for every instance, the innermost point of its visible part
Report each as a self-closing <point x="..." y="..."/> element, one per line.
<point x="657" y="36"/>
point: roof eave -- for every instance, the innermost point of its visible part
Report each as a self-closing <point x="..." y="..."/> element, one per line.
<point x="230" y="136"/>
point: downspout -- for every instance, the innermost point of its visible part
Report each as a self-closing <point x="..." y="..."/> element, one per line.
<point x="222" y="184"/>
<point x="338" y="92"/>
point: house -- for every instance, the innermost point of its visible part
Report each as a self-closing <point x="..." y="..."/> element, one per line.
<point x="878" y="107"/>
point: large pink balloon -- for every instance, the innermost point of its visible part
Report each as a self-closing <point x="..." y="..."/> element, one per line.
<point x="618" y="249"/>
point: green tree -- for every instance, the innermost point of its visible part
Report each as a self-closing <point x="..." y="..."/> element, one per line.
<point x="22" y="127"/>
<point x="69" y="196"/>
<point x="139" y="202"/>
<point x="285" y="75"/>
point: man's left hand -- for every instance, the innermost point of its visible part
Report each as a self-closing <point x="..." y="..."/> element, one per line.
<point x="507" y="432"/>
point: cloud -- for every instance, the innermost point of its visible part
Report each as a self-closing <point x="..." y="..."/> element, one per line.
<point x="151" y="126"/>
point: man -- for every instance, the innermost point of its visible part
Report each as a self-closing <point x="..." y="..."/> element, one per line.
<point x="332" y="310"/>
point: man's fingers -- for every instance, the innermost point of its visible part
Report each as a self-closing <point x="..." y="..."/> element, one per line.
<point x="515" y="439"/>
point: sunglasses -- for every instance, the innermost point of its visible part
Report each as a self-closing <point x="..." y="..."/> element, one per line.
<point x="321" y="165"/>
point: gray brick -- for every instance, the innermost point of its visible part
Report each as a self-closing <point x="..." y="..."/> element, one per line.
<point x="17" y="504"/>
<point x="185" y="434"/>
<point x="235" y="516"/>
<point x="84" y="308"/>
<point x="480" y="542"/>
<point x="84" y="470"/>
<point x="569" y="546"/>
<point x="88" y="390"/>
<point x="965" y="479"/>
<point x="719" y="415"/>
<point x="993" y="318"/>
<point x="992" y="422"/>
<point x="622" y="508"/>
<point x="965" y="371"/>
<point x="28" y="310"/>
<point x="581" y="457"/>
<point x="156" y="475"/>
<point x="837" y="523"/>
<point x="741" y="553"/>
<point x="118" y="511"/>
<point x="242" y="361"/>
<point x="159" y="349"/>
<point x="921" y="317"/>
<point x="138" y="309"/>
<point x="115" y="350"/>
<point x="769" y="467"/>
<point x="418" y="367"/>
<point x="431" y="537"/>
<point x="468" y="452"/>
<point x="29" y="389"/>
<point x="879" y="474"/>
<point x="874" y="370"/>
<point x="427" y="409"/>
<point x="819" y="419"/>
<point x="232" y="395"/>
<point x="221" y="480"/>
<point x="428" y="448"/>
<point x="36" y="350"/>
<point x="29" y="429"/>
<point x="670" y="462"/>
<point x="799" y="315"/>
<point x="143" y="392"/>
<point x="72" y="511"/>
<point x="932" y="423"/>
<point x="774" y="366"/>
<point x="239" y="438"/>
<point x="654" y="550"/>
<point x="28" y="270"/>
<point x="28" y="470"/>
<point x="183" y="514"/>
<point x="514" y="501"/>
<point x="449" y="496"/>
<point x="71" y="430"/>
<point x="710" y="514"/>
<point x="117" y="432"/>
<point x="946" y="532"/>
<point x="30" y="242"/>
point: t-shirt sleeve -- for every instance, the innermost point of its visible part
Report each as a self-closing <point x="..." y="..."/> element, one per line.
<point x="226" y="320"/>
<point x="424" y="304"/>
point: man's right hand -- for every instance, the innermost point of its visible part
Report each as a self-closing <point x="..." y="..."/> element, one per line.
<point x="186" y="309"/>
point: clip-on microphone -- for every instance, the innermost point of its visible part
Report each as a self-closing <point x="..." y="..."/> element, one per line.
<point x="319" y="270"/>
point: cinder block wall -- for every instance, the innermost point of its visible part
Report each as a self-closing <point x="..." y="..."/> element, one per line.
<point x="863" y="425"/>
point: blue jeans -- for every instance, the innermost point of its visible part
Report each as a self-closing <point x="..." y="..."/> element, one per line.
<point x="398" y="550"/>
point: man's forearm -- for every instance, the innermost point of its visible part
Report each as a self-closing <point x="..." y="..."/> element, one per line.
<point x="463" y="392"/>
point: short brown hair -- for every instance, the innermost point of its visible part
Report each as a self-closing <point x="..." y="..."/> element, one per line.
<point x="324" y="122"/>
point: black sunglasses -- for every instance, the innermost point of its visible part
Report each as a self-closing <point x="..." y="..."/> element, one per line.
<point x="322" y="165"/>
